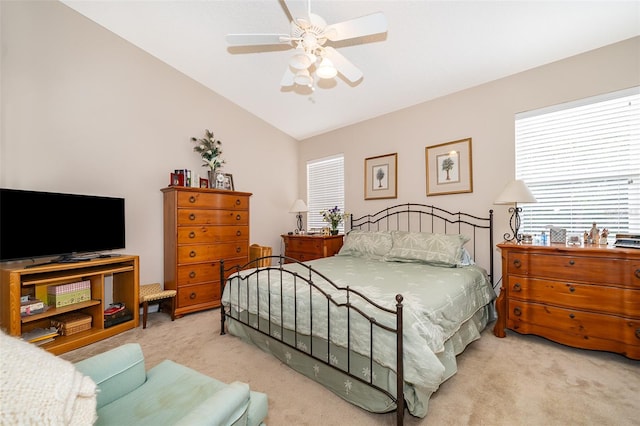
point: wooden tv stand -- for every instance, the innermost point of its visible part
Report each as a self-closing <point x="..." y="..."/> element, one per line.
<point x="17" y="279"/>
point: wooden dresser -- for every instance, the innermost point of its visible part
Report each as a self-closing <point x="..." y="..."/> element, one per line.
<point x="309" y="247"/>
<point x="201" y="227"/>
<point x="586" y="297"/>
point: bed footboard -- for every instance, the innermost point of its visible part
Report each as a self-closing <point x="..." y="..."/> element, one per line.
<point x="256" y="298"/>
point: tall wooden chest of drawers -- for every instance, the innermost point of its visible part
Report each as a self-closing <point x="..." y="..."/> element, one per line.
<point x="586" y="297"/>
<point x="201" y="227"/>
<point x="309" y="247"/>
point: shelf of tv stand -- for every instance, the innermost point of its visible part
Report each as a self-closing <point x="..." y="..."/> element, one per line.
<point x="18" y="279"/>
<point x="59" y="311"/>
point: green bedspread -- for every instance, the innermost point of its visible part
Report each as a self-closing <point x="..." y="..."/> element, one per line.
<point x="437" y="302"/>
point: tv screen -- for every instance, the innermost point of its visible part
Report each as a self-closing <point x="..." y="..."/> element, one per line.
<point x="39" y="224"/>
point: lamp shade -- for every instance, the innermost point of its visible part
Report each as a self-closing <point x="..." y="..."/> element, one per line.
<point x="298" y="206"/>
<point x="326" y="69"/>
<point x="515" y="192"/>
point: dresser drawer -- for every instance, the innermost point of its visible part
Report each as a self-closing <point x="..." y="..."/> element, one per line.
<point x="307" y="245"/>
<point x="211" y="252"/>
<point x="211" y="234"/>
<point x="212" y="217"/>
<point x="574" y="327"/>
<point x="302" y="256"/>
<point x="574" y="268"/>
<point x="213" y="201"/>
<point x="606" y="299"/>
<point x="198" y="294"/>
<point x="205" y="272"/>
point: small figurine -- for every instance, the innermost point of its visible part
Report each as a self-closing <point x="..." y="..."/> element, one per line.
<point x="603" y="236"/>
<point x="594" y="234"/>
<point x="586" y="237"/>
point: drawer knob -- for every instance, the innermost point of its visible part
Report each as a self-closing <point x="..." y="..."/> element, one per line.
<point x="517" y="263"/>
<point x="517" y="311"/>
<point x="238" y="202"/>
<point x="192" y="234"/>
<point x="238" y="233"/>
<point x="238" y="217"/>
<point x="572" y="289"/>
<point x="192" y="199"/>
<point x="192" y="253"/>
<point x="572" y="316"/>
<point x="638" y="333"/>
<point x="192" y="216"/>
<point x="192" y="274"/>
<point x="517" y="287"/>
<point x="192" y="296"/>
<point x="572" y="262"/>
<point x="238" y="249"/>
<point x="637" y="273"/>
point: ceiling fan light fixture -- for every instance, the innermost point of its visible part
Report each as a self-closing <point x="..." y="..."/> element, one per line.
<point x="300" y="60"/>
<point x="303" y="78"/>
<point x="326" y="69"/>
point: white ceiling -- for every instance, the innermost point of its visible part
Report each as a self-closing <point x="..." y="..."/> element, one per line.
<point x="431" y="49"/>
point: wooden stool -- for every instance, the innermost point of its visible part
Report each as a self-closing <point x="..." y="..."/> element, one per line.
<point x="155" y="293"/>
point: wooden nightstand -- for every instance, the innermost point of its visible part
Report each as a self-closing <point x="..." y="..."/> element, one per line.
<point x="586" y="297"/>
<point x="309" y="247"/>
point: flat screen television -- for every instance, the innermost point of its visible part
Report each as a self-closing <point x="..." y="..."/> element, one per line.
<point x="35" y="224"/>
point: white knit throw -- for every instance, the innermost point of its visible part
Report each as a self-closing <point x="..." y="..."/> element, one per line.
<point x="37" y="387"/>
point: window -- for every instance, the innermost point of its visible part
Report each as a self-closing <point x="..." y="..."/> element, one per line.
<point x="325" y="189"/>
<point x="581" y="161"/>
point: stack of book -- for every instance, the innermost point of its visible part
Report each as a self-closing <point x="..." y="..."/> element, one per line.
<point x="40" y="336"/>
<point x="116" y="313"/>
<point x="29" y="305"/>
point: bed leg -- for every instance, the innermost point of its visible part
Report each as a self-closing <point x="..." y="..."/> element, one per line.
<point x="222" y="282"/>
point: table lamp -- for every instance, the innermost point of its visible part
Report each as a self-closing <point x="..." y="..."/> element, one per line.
<point x="298" y="207"/>
<point x="514" y="193"/>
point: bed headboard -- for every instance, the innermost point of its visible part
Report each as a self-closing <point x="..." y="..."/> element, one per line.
<point x="424" y="218"/>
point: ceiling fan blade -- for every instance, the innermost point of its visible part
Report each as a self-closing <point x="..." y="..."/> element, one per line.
<point x="287" y="78"/>
<point x="357" y="27"/>
<point x="299" y="11"/>
<point x="256" y="39"/>
<point x="343" y="65"/>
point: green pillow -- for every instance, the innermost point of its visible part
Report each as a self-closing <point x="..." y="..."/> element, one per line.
<point x="370" y="244"/>
<point x="424" y="247"/>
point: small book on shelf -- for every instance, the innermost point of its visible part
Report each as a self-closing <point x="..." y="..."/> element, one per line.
<point x="39" y="334"/>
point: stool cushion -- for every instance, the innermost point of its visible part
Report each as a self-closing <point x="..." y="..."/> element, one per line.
<point x="150" y="292"/>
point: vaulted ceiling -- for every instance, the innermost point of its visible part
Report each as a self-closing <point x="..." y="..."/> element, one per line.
<point x="431" y="49"/>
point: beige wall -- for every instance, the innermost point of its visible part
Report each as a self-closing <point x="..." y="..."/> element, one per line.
<point x="83" y="111"/>
<point x="485" y="114"/>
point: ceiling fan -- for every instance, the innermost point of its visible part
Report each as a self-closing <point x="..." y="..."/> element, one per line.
<point x="309" y="36"/>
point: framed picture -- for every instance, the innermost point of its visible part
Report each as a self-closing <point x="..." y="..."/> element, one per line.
<point x="224" y="181"/>
<point x="381" y="177"/>
<point x="228" y="182"/>
<point x="177" y="179"/>
<point x="204" y="183"/>
<point x="449" y="168"/>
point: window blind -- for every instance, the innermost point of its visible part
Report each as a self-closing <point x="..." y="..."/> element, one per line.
<point x="582" y="163"/>
<point x="325" y="189"/>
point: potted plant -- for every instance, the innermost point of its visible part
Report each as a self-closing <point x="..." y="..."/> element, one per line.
<point x="334" y="218"/>
<point x="210" y="149"/>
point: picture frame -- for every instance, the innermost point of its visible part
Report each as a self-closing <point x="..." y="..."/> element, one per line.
<point x="204" y="183"/>
<point x="449" y="168"/>
<point x="177" y="179"/>
<point x="226" y="182"/>
<point x="381" y="177"/>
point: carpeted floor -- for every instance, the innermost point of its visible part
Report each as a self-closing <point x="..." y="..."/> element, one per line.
<point x="518" y="380"/>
